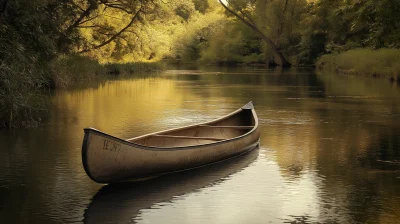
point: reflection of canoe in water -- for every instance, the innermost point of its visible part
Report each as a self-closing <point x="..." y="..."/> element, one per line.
<point x="122" y="202"/>
<point x="108" y="159"/>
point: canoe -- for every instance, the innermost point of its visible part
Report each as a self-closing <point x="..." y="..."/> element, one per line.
<point x="109" y="159"/>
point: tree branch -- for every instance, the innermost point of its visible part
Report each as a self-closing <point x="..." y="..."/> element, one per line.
<point x="115" y="35"/>
<point x="92" y="6"/>
<point x="117" y="6"/>
<point x="80" y="8"/>
<point x="89" y="19"/>
<point x="248" y="23"/>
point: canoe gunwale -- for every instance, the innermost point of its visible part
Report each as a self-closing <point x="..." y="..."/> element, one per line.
<point x="95" y="131"/>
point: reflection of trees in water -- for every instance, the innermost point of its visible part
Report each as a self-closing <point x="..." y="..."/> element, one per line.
<point x="375" y="188"/>
<point x="383" y="154"/>
<point x="351" y="164"/>
<point x="298" y="219"/>
<point x="348" y="143"/>
<point x="294" y="170"/>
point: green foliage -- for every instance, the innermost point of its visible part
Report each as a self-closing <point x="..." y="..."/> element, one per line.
<point x="213" y="38"/>
<point x="201" y="5"/>
<point x="382" y="62"/>
<point x="232" y="42"/>
<point x="25" y="44"/>
<point x="338" y="26"/>
<point x="190" y="38"/>
<point x="185" y="10"/>
<point x="24" y="28"/>
<point x="377" y="22"/>
<point x="275" y="22"/>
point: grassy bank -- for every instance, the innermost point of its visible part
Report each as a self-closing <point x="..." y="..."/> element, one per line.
<point x="24" y="87"/>
<point x="21" y="98"/>
<point x="133" y="68"/>
<point x="67" y="71"/>
<point x="383" y="63"/>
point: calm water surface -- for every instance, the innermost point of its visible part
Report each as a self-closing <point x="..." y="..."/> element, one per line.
<point x="329" y="152"/>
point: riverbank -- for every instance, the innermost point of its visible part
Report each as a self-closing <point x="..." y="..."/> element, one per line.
<point x="25" y="86"/>
<point x="384" y="63"/>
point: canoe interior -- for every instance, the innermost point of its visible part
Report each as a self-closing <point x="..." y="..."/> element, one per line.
<point x="232" y="126"/>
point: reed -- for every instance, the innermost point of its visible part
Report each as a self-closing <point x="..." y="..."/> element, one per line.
<point x="133" y="68"/>
<point x="21" y="98"/>
<point x="65" y="71"/>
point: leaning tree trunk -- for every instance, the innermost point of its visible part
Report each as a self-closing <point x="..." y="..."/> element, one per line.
<point x="279" y="58"/>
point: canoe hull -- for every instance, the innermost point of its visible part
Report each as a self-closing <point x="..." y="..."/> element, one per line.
<point x="113" y="160"/>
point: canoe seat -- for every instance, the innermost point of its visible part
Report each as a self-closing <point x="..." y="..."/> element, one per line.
<point x="189" y="137"/>
<point x="233" y="127"/>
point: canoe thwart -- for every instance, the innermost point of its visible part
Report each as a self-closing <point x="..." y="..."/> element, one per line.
<point x="233" y="127"/>
<point x="190" y="137"/>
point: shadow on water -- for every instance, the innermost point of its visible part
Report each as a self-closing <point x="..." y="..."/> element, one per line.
<point x="121" y="203"/>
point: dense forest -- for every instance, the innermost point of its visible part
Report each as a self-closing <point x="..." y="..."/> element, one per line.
<point x="47" y="44"/>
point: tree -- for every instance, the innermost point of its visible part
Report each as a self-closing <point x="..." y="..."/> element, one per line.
<point x="253" y="14"/>
<point x="376" y="23"/>
<point x="97" y="23"/>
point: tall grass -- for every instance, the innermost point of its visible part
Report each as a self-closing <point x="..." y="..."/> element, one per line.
<point x="133" y="68"/>
<point x="65" y="71"/>
<point x="378" y="63"/>
<point x="21" y="98"/>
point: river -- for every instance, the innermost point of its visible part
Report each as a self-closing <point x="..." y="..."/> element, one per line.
<point x="329" y="151"/>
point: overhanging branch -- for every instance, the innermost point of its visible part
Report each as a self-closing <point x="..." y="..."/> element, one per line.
<point x="115" y="35"/>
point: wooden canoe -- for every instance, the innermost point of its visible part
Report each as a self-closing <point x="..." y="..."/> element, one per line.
<point x="108" y="159"/>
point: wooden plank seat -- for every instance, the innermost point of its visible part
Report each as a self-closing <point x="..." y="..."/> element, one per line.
<point x="233" y="127"/>
<point x="190" y="137"/>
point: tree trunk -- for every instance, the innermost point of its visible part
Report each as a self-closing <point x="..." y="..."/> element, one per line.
<point x="279" y="58"/>
<point x="3" y="7"/>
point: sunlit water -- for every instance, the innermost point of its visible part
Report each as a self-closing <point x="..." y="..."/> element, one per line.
<point x="329" y="152"/>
